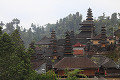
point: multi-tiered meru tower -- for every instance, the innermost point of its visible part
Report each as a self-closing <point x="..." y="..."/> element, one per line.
<point x="87" y="27"/>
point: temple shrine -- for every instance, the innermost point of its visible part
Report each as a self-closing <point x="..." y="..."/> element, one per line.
<point x="83" y="51"/>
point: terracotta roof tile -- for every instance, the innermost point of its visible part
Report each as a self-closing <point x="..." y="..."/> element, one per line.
<point x="75" y="62"/>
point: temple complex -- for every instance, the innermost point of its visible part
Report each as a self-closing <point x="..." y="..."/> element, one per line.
<point x="85" y="51"/>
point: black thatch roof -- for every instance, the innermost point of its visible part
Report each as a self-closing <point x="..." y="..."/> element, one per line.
<point x="47" y="51"/>
<point x="61" y="42"/>
<point x="88" y="23"/>
<point x="44" y="41"/>
<point x="103" y="61"/>
<point x="37" y="64"/>
<point x="84" y="34"/>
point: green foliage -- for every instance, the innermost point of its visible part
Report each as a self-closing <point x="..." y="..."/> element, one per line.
<point x="53" y="60"/>
<point x="50" y="75"/>
<point x="0" y="30"/>
<point x="6" y="52"/>
<point x="95" y="59"/>
<point x="24" y="56"/>
<point x="115" y="54"/>
<point x="32" y="45"/>
<point x="9" y="28"/>
<point x="110" y="23"/>
<point x="70" y="22"/>
<point x="72" y="75"/>
<point x="14" y="60"/>
<point x="16" y="37"/>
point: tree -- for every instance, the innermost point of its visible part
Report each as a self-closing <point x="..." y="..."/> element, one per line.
<point x="2" y="24"/>
<point x="16" y="38"/>
<point x="32" y="45"/>
<point x="16" y="21"/>
<point x="6" y="52"/>
<point x="23" y="65"/>
<point x="72" y="75"/>
<point x="0" y="30"/>
<point x="50" y="75"/>
<point x="114" y="19"/>
<point x="9" y="28"/>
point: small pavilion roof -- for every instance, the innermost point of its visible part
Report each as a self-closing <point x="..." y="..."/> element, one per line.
<point x="78" y="45"/>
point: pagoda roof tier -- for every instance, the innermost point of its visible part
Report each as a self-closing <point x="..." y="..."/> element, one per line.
<point x="103" y="33"/>
<point x="67" y="53"/>
<point x="89" y="19"/>
<point x="53" y="33"/>
<point x="85" y="28"/>
<point x="89" y="15"/>
<point x="103" y="37"/>
<point x="103" y="41"/>
<point x="103" y="30"/>
<point x="84" y="34"/>
<point x="67" y="38"/>
<point x="57" y="54"/>
<point x="66" y="49"/>
<point x="68" y="45"/>
<point x="61" y="42"/>
<point x="88" y="22"/>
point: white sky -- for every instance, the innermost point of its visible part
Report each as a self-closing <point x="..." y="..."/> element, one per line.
<point x="49" y="11"/>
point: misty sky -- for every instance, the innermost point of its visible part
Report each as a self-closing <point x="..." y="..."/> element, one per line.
<point x="49" y="11"/>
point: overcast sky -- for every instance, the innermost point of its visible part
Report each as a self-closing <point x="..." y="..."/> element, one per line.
<point x="49" y="11"/>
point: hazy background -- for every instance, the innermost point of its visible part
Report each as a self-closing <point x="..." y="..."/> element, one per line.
<point x="49" y="11"/>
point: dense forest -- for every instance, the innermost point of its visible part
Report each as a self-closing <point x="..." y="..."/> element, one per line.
<point x="15" y="62"/>
<point x="71" y="22"/>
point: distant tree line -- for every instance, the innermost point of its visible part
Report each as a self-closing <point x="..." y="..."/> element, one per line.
<point x="71" y="22"/>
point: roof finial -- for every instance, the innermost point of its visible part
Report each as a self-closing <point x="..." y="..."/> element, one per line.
<point x="89" y="14"/>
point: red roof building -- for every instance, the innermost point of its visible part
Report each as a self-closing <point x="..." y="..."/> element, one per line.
<point x="78" y="49"/>
<point x="78" y="45"/>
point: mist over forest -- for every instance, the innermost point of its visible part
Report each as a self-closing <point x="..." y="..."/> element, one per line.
<point x="70" y="22"/>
